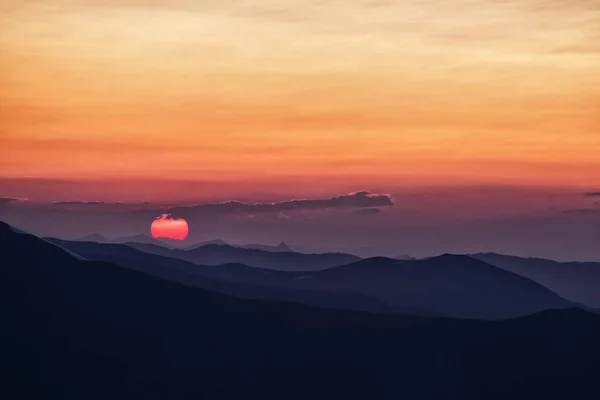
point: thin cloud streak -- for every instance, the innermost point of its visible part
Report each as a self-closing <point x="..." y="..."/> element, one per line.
<point x="76" y="203"/>
<point x="362" y="199"/>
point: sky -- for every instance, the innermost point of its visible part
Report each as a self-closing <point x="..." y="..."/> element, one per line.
<point x="187" y="102"/>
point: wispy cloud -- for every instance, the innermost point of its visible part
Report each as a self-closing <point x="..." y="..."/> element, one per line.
<point x="362" y="199"/>
<point x="6" y="200"/>
<point x="76" y="203"/>
<point x="583" y="211"/>
<point x="369" y="211"/>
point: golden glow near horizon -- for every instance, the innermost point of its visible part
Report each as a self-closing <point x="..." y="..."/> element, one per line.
<point x="358" y="90"/>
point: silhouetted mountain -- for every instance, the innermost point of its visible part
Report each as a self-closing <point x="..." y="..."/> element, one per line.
<point x="404" y="257"/>
<point x="453" y="286"/>
<point x="93" y="330"/>
<point x="448" y="285"/>
<point x="575" y="281"/>
<point x="95" y="237"/>
<point x="141" y="238"/>
<point x="234" y="279"/>
<point x="173" y="243"/>
<point x="280" y="248"/>
<point x="206" y="243"/>
<point x="213" y="254"/>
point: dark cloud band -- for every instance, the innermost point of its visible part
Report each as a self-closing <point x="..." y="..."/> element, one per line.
<point x="75" y="203"/>
<point x="351" y="200"/>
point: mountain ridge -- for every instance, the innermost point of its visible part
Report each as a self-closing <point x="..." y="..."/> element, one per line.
<point x="214" y="254"/>
<point x="447" y="285"/>
<point x="69" y="337"/>
<point x="576" y="281"/>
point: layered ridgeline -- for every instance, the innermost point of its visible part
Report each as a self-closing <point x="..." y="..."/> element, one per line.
<point x="575" y="281"/>
<point x="178" y="244"/>
<point x="215" y="254"/>
<point x="280" y="248"/>
<point x="234" y="279"/>
<point x="75" y="329"/>
<point x="448" y="285"/>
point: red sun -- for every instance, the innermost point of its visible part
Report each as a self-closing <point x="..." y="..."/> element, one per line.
<point x="167" y="227"/>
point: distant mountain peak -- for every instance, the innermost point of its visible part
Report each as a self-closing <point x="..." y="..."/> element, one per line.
<point x="216" y="246"/>
<point x="213" y="242"/>
<point x="139" y="238"/>
<point x="280" y="248"/>
<point x="374" y="262"/>
<point x="94" y="237"/>
<point x="218" y="242"/>
<point x="284" y="246"/>
<point x="404" y="257"/>
<point x="450" y="257"/>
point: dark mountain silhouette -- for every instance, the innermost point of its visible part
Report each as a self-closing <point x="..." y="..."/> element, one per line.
<point x="141" y="238"/>
<point x="575" y="281"/>
<point x="92" y="330"/>
<point x="280" y="248"/>
<point x="283" y="261"/>
<point x="206" y="243"/>
<point x="173" y="243"/>
<point x="233" y="279"/>
<point x="94" y="237"/>
<point x="453" y="286"/>
<point x="448" y="285"/>
<point x="404" y="257"/>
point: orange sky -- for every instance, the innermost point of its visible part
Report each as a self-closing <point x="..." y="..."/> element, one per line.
<point x="365" y="91"/>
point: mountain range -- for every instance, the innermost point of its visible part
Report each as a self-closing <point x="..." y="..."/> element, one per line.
<point x="448" y="285"/>
<point x="280" y="248"/>
<point x="179" y="244"/>
<point x="234" y="279"/>
<point x="206" y="243"/>
<point x="76" y="329"/>
<point x="576" y="281"/>
<point x="214" y="254"/>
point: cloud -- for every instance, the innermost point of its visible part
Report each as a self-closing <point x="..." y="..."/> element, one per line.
<point x="6" y="200"/>
<point x="369" y="211"/>
<point x="361" y="199"/>
<point x="165" y="217"/>
<point x="73" y="203"/>
<point x="87" y="203"/>
<point x="592" y="194"/>
<point x="583" y="211"/>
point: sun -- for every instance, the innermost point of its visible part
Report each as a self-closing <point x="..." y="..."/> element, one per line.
<point x="166" y="226"/>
